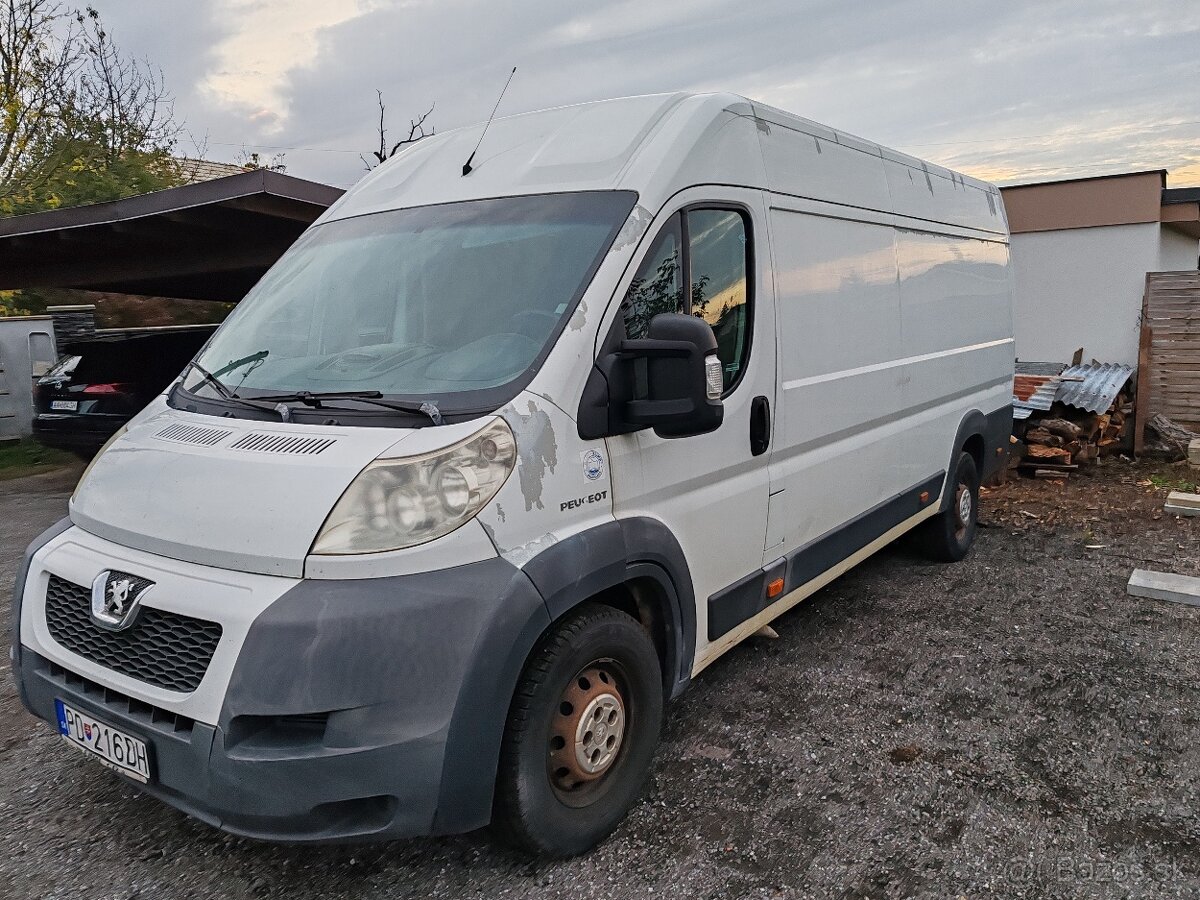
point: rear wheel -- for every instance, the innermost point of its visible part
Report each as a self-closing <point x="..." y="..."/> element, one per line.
<point x="948" y="536"/>
<point x="581" y="734"/>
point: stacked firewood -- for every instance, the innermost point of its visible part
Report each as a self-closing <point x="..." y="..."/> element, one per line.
<point x="1055" y="443"/>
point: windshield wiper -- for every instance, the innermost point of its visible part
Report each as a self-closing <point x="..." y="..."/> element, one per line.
<point x="238" y="363"/>
<point x="278" y="402"/>
<point x="217" y="384"/>
<point x="317" y="401"/>
<point x="223" y="389"/>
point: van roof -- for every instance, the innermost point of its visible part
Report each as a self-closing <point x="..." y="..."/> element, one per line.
<point x="658" y="144"/>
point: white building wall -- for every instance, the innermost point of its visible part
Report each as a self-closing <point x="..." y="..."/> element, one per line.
<point x="1082" y="287"/>
<point x="1177" y="252"/>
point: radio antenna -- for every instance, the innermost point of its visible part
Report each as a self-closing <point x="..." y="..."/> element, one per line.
<point x="470" y="159"/>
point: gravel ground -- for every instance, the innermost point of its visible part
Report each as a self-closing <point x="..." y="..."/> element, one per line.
<point x="1011" y="726"/>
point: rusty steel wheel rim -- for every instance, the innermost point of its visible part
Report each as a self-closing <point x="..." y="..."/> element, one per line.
<point x="963" y="506"/>
<point x="587" y="730"/>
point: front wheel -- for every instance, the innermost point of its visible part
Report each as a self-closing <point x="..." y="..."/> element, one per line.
<point x="581" y="733"/>
<point x="948" y="536"/>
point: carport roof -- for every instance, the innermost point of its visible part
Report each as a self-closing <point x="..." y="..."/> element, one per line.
<point x="207" y="241"/>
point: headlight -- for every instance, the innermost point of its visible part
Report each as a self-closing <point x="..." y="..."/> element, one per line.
<point x="398" y="503"/>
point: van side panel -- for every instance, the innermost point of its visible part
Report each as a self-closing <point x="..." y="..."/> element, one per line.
<point x="839" y="331"/>
<point x="957" y="335"/>
<point x="954" y="291"/>
<point x="890" y="336"/>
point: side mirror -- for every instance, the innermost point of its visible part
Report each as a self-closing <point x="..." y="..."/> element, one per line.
<point x="671" y="381"/>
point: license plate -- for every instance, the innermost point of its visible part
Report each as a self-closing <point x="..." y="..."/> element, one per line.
<point x="112" y="748"/>
<point x="65" y="405"/>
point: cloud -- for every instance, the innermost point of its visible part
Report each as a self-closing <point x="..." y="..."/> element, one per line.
<point x="268" y="40"/>
<point x="1024" y="90"/>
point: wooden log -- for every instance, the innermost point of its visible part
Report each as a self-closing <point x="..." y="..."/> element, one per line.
<point x="1044" y="464"/>
<point x="1173" y="435"/>
<point x="1062" y="428"/>
<point x="1038" y="451"/>
<point x="1043" y="437"/>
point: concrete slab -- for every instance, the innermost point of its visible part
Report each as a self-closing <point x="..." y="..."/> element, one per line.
<point x="1164" y="586"/>
<point x="1181" y="504"/>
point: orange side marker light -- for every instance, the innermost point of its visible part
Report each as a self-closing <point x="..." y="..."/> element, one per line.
<point x="775" y="588"/>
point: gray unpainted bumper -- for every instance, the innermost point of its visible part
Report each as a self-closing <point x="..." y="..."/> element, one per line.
<point x="358" y="710"/>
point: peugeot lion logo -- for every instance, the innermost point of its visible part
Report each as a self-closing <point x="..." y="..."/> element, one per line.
<point x="115" y="598"/>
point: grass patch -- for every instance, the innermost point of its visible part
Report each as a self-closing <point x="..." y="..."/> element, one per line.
<point x="1175" y="481"/>
<point x="27" y="457"/>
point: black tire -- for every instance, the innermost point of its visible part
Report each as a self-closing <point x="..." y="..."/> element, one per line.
<point x="948" y="536"/>
<point x="537" y="808"/>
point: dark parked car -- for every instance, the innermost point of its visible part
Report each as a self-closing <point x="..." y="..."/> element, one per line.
<point x="100" y="384"/>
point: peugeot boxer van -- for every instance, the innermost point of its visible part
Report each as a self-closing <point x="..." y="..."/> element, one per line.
<point x="490" y="465"/>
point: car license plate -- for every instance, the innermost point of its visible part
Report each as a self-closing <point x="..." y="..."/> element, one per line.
<point x="64" y="405"/>
<point x="112" y="748"/>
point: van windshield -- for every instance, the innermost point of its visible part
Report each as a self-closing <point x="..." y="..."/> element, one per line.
<point x="454" y="303"/>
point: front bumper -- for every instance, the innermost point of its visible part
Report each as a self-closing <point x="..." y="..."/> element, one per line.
<point x="278" y="790"/>
<point x="353" y="710"/>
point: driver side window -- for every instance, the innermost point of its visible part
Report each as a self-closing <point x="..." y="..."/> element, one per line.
<point x="658" y="285"/>
<point x="709" y="251"/>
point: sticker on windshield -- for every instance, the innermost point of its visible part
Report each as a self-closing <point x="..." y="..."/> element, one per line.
<point x="593" y="464"/>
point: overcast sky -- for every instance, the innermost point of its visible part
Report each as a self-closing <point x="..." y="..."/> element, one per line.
<point x="1007" y="90"/>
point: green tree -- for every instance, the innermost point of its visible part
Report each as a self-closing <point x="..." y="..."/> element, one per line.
<point x="39" y="59"/>
<point x="81" y="122"/>
<point x="84" y="122"/>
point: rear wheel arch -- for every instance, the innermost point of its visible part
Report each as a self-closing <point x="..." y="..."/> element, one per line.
<point x="974" y="446"/>
<point x="970" y="438"/>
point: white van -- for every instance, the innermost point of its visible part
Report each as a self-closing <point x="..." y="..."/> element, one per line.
<point x="489" y="466"/>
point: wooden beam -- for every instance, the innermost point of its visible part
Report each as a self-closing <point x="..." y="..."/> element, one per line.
<point x="1142" y="400"/>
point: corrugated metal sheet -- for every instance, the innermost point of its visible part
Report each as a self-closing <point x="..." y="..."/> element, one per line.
<point x="1025" y="386"/>
<point x="1025" y="367"/>
<point x="1032" y="392"/>
<point x="1097" y="388"/>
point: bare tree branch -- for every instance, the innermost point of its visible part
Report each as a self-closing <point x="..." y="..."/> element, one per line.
<point x="416" y="131"/>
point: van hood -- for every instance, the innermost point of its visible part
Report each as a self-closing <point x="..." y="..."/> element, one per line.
<point x="236" y="494"/>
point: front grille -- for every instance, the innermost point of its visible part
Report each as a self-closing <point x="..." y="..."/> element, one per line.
<point x="165" y="649"/>
<point x="163" y="721"/>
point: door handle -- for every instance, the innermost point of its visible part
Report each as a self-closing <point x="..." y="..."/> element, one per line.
<point x="760" y="426"/>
